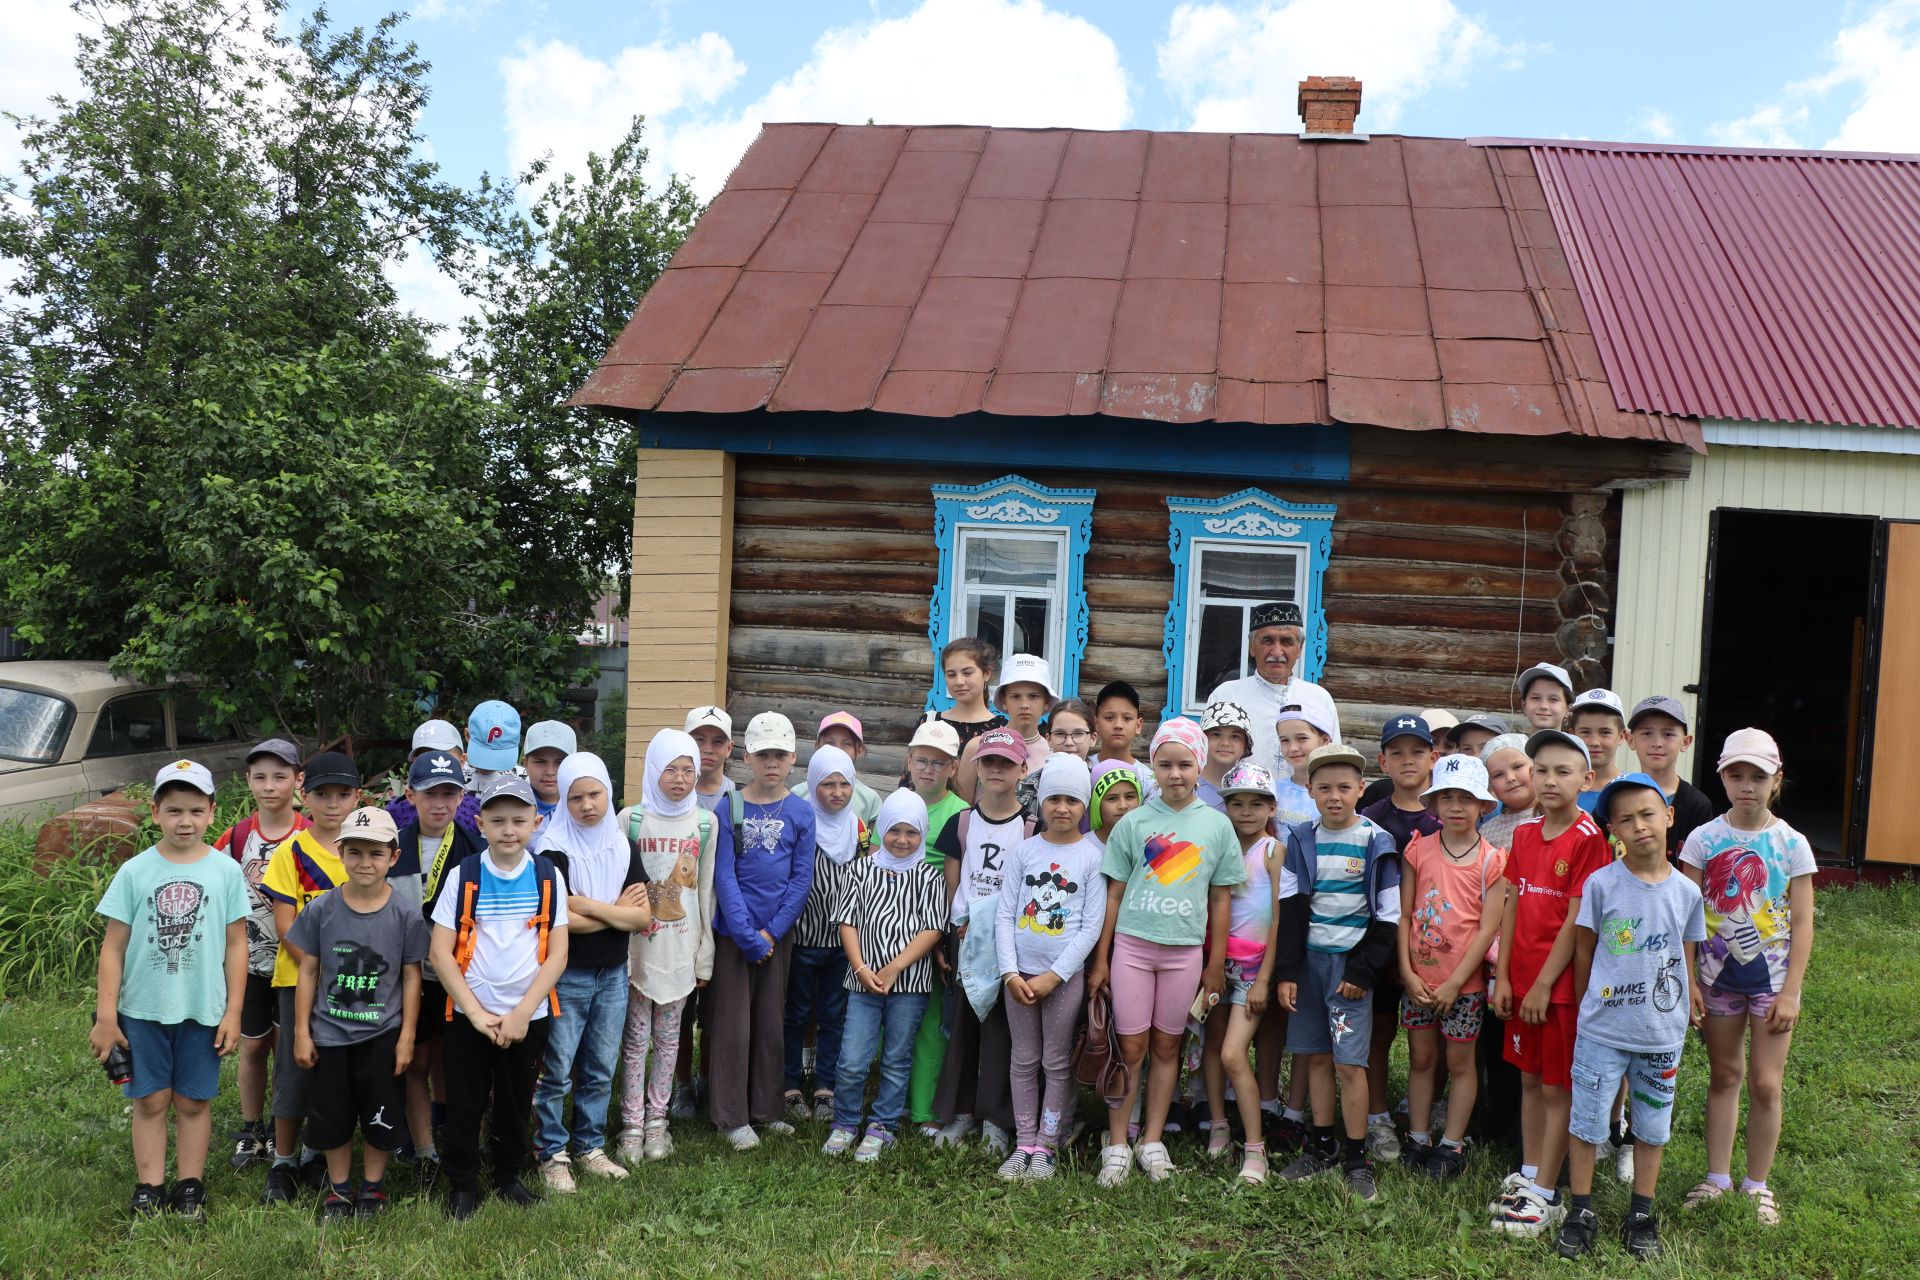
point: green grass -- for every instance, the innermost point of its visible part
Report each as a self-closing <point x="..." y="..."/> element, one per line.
<point x="1846" y="1178"/>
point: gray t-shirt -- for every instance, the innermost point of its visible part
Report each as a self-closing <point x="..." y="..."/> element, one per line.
<point x="1636" y="998"/>
<point x="361" y="957"/>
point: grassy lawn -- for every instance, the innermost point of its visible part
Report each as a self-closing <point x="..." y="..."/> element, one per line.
<point x="1846" y="1178"/>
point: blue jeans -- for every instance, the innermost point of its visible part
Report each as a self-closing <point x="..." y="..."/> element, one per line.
<point x="815" y="993"/>
<point x="885" y="1025"/>
<point x="583" y="1045"/>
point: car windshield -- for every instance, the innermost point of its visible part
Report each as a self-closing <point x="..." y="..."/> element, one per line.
<point x="33" y="725"/>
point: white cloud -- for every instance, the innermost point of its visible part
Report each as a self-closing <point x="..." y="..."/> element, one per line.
<point x="37" y="46"/>
<point x="1657" y="125"/>
<point x="1238" y="66"/>
<point x="1879" y="59"/>
<point x="1775" y="126"/>
<point x="993" y="62"/>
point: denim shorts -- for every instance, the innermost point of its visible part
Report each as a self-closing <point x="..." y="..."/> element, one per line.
<point x="171" y="1055"/>
<point x="1240" y="976"/>
<point x="1597" y="1072"/>
<point x="1324" y="1021"/>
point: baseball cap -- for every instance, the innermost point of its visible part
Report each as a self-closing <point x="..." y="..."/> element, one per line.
<point x="1460" y="773"/>
<point x="279" y="748"/>
<point x="937" y="735"/>
<point x="1659" y="704"/>
<point x="508" y="786"/>
<point x="709" y="718"/>
<point x="1118" y="689"/>
<point x="1603" y="804"/>
<point x="1503" y="742"/>
<point x="331" y="769"/>
<point x="1492" y="723"/>
<point x="1334" y="753"/>
<point x="493" y="736"/>
<point x="435" y="769"/>
<point x="1543" y="671"/>
<point x="1064" y="774"/>
<point x="842" y="720"/>
<point x="370" y="823"/>
<point x="1313" y="706"/>
<point x="1751" y="746"/>
<point x="1439" y="720"/>
<point x="1026" y="668"/>
<point x="436" y="735"/>
<point x="1226" y="715"/>
<point x="194" y="775"/>
<point x="1550" y="737"/>
<point x="550" y="733"/>
<point x="1247" y="778"/>
<point x="1004" y="743"/>
<point x="769" y="731"/>
<point x="1406" y="727"/>
<point x="1605" y="699"/>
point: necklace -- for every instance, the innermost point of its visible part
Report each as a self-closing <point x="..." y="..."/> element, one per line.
<point x="1464" y="854"/>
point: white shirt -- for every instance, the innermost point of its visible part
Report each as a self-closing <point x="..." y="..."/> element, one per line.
<point x="1262" y="699"/>
<point x="506" y="953"/>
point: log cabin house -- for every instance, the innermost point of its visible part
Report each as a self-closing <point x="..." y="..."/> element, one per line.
<point x="1091" y="394"/>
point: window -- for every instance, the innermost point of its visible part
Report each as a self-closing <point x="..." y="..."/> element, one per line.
<point x="33" y="725"/>
<point x="137" y="722"/>
<point x="1010" y="572"/>
<point x="195" y="723"/>
<point x="1230" y="554"/>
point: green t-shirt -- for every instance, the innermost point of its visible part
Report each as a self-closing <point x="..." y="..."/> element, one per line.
<point x="176" y="915"/>
<point x="939" y="814"/>
<point x="1169" y="859"/>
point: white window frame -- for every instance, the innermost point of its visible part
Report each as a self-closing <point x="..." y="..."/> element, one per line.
<point x="1055" y="593"/>
<point x="1197" y="600"/>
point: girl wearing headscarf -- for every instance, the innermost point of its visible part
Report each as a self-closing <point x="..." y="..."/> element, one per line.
<point x="606" y="902"/>
<point x="816" y="994"/>
<point x="675" y="838"/>
<point x="891" y="914"/>
<point x="1169" y="866"/>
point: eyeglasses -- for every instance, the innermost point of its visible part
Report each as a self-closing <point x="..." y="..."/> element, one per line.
<point x="1069" y="735"/>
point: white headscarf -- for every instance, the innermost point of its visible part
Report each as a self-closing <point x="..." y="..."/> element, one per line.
<point x="667" y="746"/>
<point x="836" y="834"/>
<point x="597" y="856"/>
<point x="902" y="806"/>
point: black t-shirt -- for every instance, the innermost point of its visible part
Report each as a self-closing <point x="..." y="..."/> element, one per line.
<point x="603" y="947"/>
<point x="1402" y="824"/>
<point x="1377" y="790"/>
<point x="1691" y="809"/>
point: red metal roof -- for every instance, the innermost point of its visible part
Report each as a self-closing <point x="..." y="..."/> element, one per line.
<point x="1415" y="283"/>
<point x="1746" y="284"/>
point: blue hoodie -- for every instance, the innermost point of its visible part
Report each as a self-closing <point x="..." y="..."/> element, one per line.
<point x="763" y="883"/>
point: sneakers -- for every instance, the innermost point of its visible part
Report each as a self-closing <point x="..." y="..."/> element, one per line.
<point x="681" y="1107"/>
<point x="1702" y="1194"/>
<point x="1360" y="1182"/>
<point x="1286" y="1135"/>
<point x="743" y="1138"/>
<point x="1115" y="1164"/>
<point x="632" y="1150"/>
<point x="1013" y="1168"/>
<point x="1510" y="1187"/>
<point x="838" y="1143"/>
<point x="426" y="1172"/>
<point x="1446" y="1163"/>
<point x="1764" y="1206"/>
<point x="1040" y="1165"/>
<point x="188" y="1200"/>
<point x="557" y="1172"/>
<point x="797" y="1109"/>
<point x="148" y="1199"/>
<point x="659" y="1143"/>
<point x="336" y="1207"/>
<point x="596" y="1163"/>
<point x="1577" y="1233"/>
<point x="1415" y="1155"/>
<point x="875" y="1142"/>
<point x="1382" y="1143"/>
<point x="1310" y="1163"/>
<point x="514" y="1192"/>
<point x="955" y="1133"/>
<point x="370" y="1204"/>
<point x="1640" y="1236"/>
<point x="823" y="1107"/>
<point x="462" y="1205"/>
<point x="931" y="1132"/>
<point x="996" y="1140"/>
<point x="1154" y="1161"/>
<point x="251" y="1145"/>
<point x="778" y="1126"/>
<point x="313" y="1173"/>
<point x="282" y="1185"/>
<point x="1526" y="1215"/>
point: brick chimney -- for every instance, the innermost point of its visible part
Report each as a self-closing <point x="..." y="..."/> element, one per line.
<point x="1329" y="104"/>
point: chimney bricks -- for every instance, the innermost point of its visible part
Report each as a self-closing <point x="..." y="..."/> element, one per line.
<point x="1329" y="104"/>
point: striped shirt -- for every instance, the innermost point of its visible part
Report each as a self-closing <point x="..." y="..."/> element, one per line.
<point x="1338" y="915"/>
<point x="890" y="909"/>
<point x="816" y="926"/>
<point x="506" y="955"/>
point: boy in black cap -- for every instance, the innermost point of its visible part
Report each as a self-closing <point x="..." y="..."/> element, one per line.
<point x="1116" y="725"/>
<point x="1659" y="735"/>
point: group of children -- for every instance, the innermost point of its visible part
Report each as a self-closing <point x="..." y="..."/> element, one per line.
<point x="1030" y="907"/>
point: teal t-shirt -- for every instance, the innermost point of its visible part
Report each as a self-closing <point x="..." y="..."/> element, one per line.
<point x="177" y="915"/>
<point x="1169" y="859"/>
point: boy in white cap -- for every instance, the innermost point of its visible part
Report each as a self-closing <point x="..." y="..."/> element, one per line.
<point x="1546" y="693"/>
<point x="442" y="739"/>
<point x="547" y="743"/>
<point x="1658" y="732"/>
<point x="1025" y="693"/>
<point x="173" y="972"/>
<point x="712" y="730"/>
<point x="1599" y="719"/>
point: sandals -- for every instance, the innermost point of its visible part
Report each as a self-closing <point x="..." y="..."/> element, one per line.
<point x="1764" y="1206"/>
<point x="1253" y="1164"/>
<point x="1702" y="1194"/>
<point x="1219" y="1141"/>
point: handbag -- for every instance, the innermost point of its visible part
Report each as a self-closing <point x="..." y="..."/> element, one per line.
<point x="1098" y="1061"/>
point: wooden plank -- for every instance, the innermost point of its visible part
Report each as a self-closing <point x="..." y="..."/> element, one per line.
<point x="705" y="565"/>
<point x="1893" y="802"/>
<point x="681" y="462"/>
<point x="877" y="612"/>
<point x="845" y="579"/>
<point x="686" y="584"/>
<point x="674" y="507"/>
<point x="817" y="546"/>
<point x="822" y="650"/>
<point x="677" y="637"/>
<point x="669" y="693"/>
<point x="650" y="489"/>
<point x="681" y="526"/>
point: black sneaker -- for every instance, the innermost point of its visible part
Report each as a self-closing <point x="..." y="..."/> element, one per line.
<point x="369" y="1204"/>
<point x="1446" y="1163"/>
<point x="1577" y="1232"/>
<point x="188" y="1199"/>
<point x="313" y="1173"/>
<point x="462" y="1205"/>
<point x="336" y="1207"/>
<point x="1311" y="1163"/>
<point x="148" y="1199"/>
<point x="426" y="1172"/>
<point x="513" y="1191"/>
<point x="1415" y="1155"/>
<point x="1286" y="1135"/>
<point x="1640" y="1236"/>
<point x="251" y="1145"/>
<point x="282" y="1186"/>
<point x="1360" y="1182"/>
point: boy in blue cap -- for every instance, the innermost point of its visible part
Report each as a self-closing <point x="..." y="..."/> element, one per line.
<point x="493" y="743"/>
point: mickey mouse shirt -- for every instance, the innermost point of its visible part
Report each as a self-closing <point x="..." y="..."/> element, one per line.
<point x="1052" y="906"/>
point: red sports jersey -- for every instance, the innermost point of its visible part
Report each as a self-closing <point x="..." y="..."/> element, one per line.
<point x="1547" y="874"/>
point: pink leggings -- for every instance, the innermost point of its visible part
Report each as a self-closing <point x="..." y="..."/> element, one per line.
<point x="1153" y="985"/>
<point x="653" y="1031"/>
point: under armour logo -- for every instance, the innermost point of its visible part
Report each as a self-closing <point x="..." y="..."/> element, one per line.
<point x="378" y="1121"/>
<point x="1404" y="722"/>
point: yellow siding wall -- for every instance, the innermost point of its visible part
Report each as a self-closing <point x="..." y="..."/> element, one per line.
<point x="682" y="576"/>
<point x="1663" y="545"/>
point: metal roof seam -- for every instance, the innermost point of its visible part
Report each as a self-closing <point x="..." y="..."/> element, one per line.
<point x="1578" y="412"/>
<point x="1013" y="309"/>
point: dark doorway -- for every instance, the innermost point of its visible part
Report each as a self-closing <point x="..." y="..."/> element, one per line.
<point x="1789" y="596"/>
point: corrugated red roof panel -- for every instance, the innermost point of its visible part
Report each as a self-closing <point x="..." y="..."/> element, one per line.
<point x="1409" y="283"/>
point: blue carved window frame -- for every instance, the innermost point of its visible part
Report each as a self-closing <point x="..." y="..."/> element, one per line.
<point x="1011" y="504"/>
<point x="1249" y="519"/>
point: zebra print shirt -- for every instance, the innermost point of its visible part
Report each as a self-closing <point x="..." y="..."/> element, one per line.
<point x="890" y="909"/>
<point x="816" y="926"/>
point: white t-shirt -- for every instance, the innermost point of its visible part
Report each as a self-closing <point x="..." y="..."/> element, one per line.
<point x="983" y="861"/>
<point x="506" y="955"/>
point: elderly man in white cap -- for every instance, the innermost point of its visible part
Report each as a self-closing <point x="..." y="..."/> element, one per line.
<point x="1275" y="639"/>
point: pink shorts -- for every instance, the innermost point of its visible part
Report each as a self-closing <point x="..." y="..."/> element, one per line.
<point x="1736" y="1004"/>
<point x="1153" y="985"/>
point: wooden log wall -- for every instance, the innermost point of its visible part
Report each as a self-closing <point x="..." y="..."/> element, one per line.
<point x="1433" y="594"/>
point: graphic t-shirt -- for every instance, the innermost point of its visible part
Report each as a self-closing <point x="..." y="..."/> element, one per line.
<point x="890" y="909"/>
<point x="1250" y="910"/>
<point x="1292" y="803"/>
<point x="983" y="857"/>
<point x="1169" y="860"/>
<point x="299" y="871"/>
<point x="506" y="953"/>
<point x="1337" y="914"/>
<point x="1744" y="877"/>
<point x="1545" y="875"/>
<point x="1051" y="907"/>
<point x="1636" y="998"/>
<point x="362" y="959"/>
<point x="675" y="950"/>
<point x="251" y="849"/>
<point x="1448" y="900"/>
<point x="176" y="915"/>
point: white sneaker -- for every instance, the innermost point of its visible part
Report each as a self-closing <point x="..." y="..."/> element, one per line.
<point x="1115" y="1164"/>
<point x="1510" y="1186"/>
<point x="996" y="1140"/>
<point x="1529" y="1217"/>
<point x="955" y="1133"/>
<point x="838" y="1142"/>
<point x="1154" y="1161"/>
<point x="1013" y="1168"/>
<point x="596" y="1163"/>
<point x="557" y="1172"/>
<point x="778" y="1126"/>
<point x="1623" y="1163"/>
<point x="632" y="1150"/>
<point x="659" y="1144"/>
<point x="1383" y="1144"/>
<point x="743" y="1138"/>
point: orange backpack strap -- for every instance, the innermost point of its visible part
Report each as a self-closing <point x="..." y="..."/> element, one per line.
<point x="544" y="922"/>
<point x="464" y="930"/>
